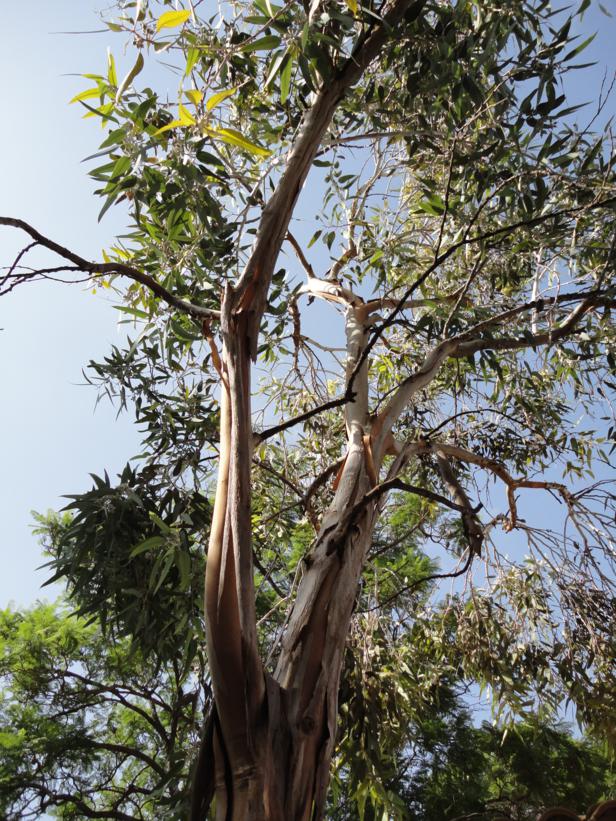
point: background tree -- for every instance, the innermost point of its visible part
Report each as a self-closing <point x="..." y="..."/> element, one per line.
<point x="96" y="729"/>
<point x="468" y="231"/>
<point x="89" y="728"/>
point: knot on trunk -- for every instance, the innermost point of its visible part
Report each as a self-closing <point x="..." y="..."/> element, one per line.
<point x="307" y="724"/>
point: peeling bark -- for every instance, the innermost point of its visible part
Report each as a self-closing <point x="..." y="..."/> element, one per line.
<point x="274" y="737"/>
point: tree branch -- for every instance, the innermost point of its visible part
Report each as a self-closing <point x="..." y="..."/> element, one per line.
<point x="470" y="522"/>
<point x="458" y="346"/>
<point x="464" y="345"/>
<point x="497" y="233"/>
<point x="106" y="269"/>
<point x="423" y="580"/>
<point x="498" y="469"/>
<point x="253" y="285"/>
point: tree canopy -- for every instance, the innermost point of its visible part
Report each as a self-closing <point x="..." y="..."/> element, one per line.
<point x="368" y="284"/>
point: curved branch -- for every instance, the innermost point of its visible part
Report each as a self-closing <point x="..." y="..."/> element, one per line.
<point x="464" y="345"/>
<point x="458" y="346"/>
<point x="301" y="256"/>
<point x="107" y="269"/>
<point x="423" y="580"/>
<point x="499" y="470"/>
<point x="470" y="522"/>
<point x="496" y="234"/>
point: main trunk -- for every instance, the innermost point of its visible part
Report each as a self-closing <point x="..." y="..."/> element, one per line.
<point x="280" y="769"/>
<point x="268" y="749"/>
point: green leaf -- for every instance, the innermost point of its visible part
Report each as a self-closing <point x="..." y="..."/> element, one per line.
<point x="182" y="560"/>
<point x="233" y="137"/>
<point x="167" y="565"/>
<point x="148" y="544"/>
<point x="285" y="78"/>
<point x="267" y="7"/>
<point x="104" y="112"/>
<point x="267" y="43"/>
<point x="574" y="52"/>
<point x="274" y="68"/>
<point x="433" y="204"/>
<point x="184" y="334"/>
<point x="127" y="309"/>
<point x="108" y="203"/>
<point x="162" y="526"/>
<point x="172" y="19"/>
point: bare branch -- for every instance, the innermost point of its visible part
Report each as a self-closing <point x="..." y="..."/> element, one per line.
<point x="409" y="588"/>
<point x="301" y="256"/>
<point x="498" y="469"/>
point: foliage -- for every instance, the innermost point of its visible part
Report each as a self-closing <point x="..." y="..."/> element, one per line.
<point x="91" y="728"/>
<point x="463" y="229"/>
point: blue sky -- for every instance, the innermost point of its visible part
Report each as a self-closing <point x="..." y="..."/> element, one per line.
<point x="51" y="434"/>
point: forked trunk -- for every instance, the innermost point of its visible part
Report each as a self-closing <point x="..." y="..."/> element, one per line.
<point x="268" y="750"/>
<point x="282" y="772"/>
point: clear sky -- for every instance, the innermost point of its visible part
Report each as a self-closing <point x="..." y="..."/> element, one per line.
<point x="51" y="436"/>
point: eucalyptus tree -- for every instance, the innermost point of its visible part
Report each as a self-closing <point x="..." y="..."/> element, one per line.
<point x="410" y="164"/>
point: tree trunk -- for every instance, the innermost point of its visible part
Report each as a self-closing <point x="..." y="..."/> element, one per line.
<point x="273" y="736"/>
<point x="282" y="771"/>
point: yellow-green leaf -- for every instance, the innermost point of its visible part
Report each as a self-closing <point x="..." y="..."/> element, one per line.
<point x="216" y="99"/>
<point x="233" y="137"/>
<point x="352" y="4"/>
<point x="173" y="124"/>
<point x="194" y="96"/>
<point x="111" y="70"/>
<point x="86" y="95"/>
<point x="172" y="19"/>
<point x="192" y="59"/>
<point x="130" y="76"/>
<point x="103" y="112"/>
<point x="186" y="118"/>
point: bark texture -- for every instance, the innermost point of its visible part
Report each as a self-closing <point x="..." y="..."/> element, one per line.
<point x="272" y="737"/>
